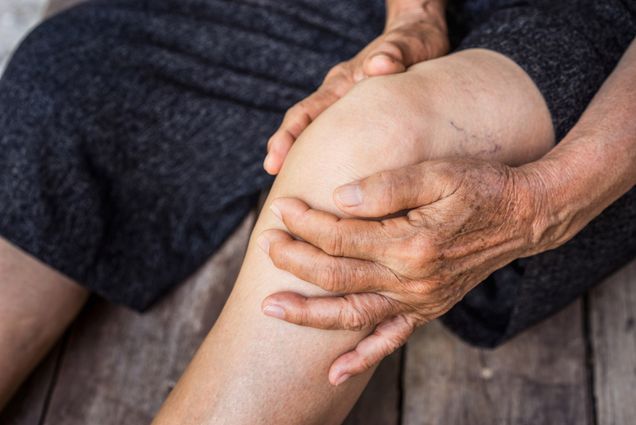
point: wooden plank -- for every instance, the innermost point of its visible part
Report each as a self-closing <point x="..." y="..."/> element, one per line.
<point x="56" y="6"/>
<point x="119" y="366"/>
<point x="28" y="405"/>
<point x="538" y="378"/>
<point x="380" y="402"/>
<point x="613" y="342"/>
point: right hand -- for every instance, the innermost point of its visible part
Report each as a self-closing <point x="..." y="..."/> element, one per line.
<point x="415" y="31"/>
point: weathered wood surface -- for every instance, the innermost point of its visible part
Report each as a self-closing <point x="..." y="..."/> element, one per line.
<point x="119" y="366"/>
<point x="116" y="366"/>
<point x="539" y="378"/>
<point x="613" y="342"/>
<point x="380" y="403"/>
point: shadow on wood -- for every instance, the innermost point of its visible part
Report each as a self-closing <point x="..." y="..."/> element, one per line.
<point x="538" y="378"/>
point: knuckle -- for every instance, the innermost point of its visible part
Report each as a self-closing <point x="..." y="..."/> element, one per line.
<point x="303" y="317"/>
<point x="418" y="254"/>
<point x="301" y="108"/>
<point x="422" y="288"/>
<point x="355" y="318"/>
<point x="332" y="244"/>
<point x="348" y="320"/>
<point x="330" y="279"/>
<point x="291" y="112"/>
<point x="389" y="187"/>
<point x="367" y="362"/>
<point x="337" y="70"/>
<point x="393" y="343"/>
<point x="300" y="112"/>
<point x="277" y="255"/>
<point x="418" y="218"/>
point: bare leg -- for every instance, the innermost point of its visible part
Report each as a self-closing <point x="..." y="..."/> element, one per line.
<point x="252" y="369"/>
<point x="36" y="305"/>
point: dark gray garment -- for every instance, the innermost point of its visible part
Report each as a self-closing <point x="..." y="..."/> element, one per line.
<point x="568" y="48"/>
<point x="132" y="134"/>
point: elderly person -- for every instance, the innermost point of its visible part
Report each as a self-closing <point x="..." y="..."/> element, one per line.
<point x="129" y="134"/>
<point x="463" y="220"/>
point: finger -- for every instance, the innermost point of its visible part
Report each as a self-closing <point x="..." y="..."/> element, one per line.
<point x="333" y="274"/>
<point x="296" y="120"/>
<point x="412" y="44"/>
<point x="387" y="58"/>
<point x="343" y="237"/>
<point x="278" y="147"/>
<point x="387" y="337"/>
<point x="351" y="312"/>
<point x="389" y="192"/>
<point x="382" y="64"/>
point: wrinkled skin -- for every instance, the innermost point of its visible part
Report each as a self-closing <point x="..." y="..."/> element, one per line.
<point x="466" y="218"/>
<point x="415" y="31"/>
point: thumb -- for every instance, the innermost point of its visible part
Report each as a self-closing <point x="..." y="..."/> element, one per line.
<point x="399" y="49"/>
<point x="386" y="59"/>
<point x="390" y="192"/>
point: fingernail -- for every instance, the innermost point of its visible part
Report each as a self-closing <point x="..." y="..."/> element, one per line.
<point x="274" y="311"/>
<point x="276" y="211"/>
<point x="349" y="195"/>
<point x="342" y="378"/>
<point x="266" y="162"/>
<point x="384" y="56"/>
<point x="263" y="243"/>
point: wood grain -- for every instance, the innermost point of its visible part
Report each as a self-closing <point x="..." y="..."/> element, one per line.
<point x="538" y="378"/>
<point x="613" y="340"/>
<point x="380" y="402"/>
<point x="119" y="366"/>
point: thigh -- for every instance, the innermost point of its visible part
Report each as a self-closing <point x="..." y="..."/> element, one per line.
<point x="133" y="132"/>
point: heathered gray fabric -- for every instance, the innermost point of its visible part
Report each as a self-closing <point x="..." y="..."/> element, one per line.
<point x="568" y="48"/>
<point x="132" y="134"/>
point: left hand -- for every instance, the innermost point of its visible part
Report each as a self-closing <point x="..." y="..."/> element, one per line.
<point x="466" y="218"/>
<point x="415" y="31"/>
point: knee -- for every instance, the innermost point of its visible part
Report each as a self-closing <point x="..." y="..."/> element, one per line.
<point x="375" y="127"/>
<point x="472" y="104"/>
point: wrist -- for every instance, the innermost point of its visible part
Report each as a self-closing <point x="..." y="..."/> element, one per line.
<point x="550" y="213"/>
<point x="400" y="12"/>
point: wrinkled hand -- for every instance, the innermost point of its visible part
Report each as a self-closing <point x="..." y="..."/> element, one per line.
<point x="415" y="32"/>
<point x="465" y="219"/>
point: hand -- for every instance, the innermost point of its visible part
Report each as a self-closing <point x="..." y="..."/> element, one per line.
<point x="415" y="32"/>
<point x="466" y="218"/>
